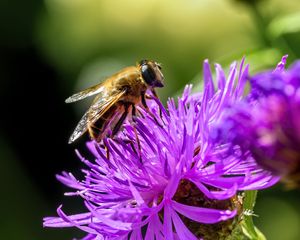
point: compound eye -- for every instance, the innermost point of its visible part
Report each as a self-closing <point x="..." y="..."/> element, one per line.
<point x="148" y="74"/>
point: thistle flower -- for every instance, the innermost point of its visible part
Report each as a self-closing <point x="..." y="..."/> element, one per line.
<point x="267" y="123"/>
<point x="177" y="182"/>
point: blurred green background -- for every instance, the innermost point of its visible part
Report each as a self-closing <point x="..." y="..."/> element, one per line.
<point x="52" y="48"/>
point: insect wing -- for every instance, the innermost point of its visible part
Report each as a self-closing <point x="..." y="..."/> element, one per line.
<point x="99" y="107"/>
<point x="103" y="104"/>
<point x="96" y="89"/>
<point x="88" y="118"/>
<point x="80" y="129"/>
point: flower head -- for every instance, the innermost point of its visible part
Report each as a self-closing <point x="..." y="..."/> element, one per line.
<point x="165" y="178"/>
<point x="267" y="123"/>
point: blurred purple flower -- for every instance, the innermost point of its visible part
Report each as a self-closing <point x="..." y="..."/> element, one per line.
<point x="267" y="124"/>
<point x="147" y="193"/>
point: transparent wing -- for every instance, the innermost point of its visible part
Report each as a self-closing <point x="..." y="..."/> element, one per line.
<point x="80" y="129"/>
<point x="96" y="89"/>
<point x="98" y="108"/>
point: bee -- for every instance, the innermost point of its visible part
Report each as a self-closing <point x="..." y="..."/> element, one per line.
<point x="116" y="97"/>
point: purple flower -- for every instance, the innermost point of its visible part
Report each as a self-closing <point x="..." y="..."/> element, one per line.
<point x="266" y="125"/>
<point x="176" y="180"/>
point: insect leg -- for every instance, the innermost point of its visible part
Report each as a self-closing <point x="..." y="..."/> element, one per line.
<point x="92" y="131"/>
<point x="148" y="110"/>
<point x="106" y="149"/>
<point x="133" y="112"/>
<point x="92" y="128"/>
<point x="121" y="120"/>
<point x="156" y="96"/>
<point x="154" y="93"/>
<point x="127" y="141"/>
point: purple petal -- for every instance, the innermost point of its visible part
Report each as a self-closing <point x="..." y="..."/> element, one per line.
<point x="219" y="195"/>
<point x="107" y="221"/>
<point x="182" y="231"/>
<point x="281" y="64"/>
<point x="167" y="227"/>
<point x="203" y="215"/>
<point x="208" y="80"/>
<point x="80" y="219"/>
<point x="73" y="223"/>
<point x="155" y="228"/>
<point x="136" y="235"/>
<point x="136" y="194"/>
<point x="220" y="75"/>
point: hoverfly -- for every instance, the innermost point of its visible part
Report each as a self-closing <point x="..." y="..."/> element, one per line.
<point x="116" y="97"/>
